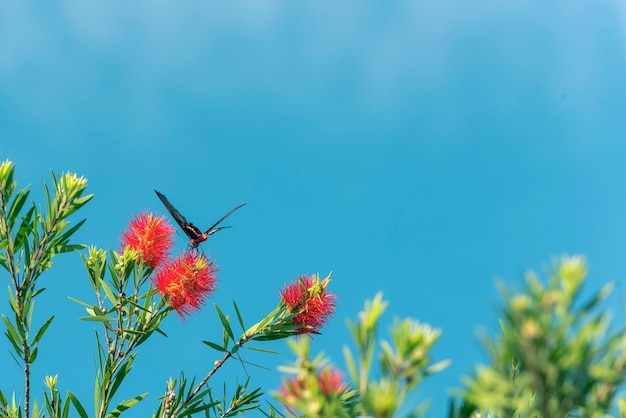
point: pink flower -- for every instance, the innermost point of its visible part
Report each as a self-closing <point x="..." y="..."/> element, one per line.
<point x="331" y="382"/>
<point x="292" y="389"/>
<point x="151" y="236"/>
<point x="186" y="282"/>
<point x="312" y="303"/>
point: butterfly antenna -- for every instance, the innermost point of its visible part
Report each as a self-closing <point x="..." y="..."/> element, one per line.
<point x="208" y="231"/>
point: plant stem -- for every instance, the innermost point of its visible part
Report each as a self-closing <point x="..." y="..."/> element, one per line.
<point x="26" y="349"/>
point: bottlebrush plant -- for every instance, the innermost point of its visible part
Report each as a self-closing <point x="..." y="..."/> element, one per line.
<point x="135" y="288"/>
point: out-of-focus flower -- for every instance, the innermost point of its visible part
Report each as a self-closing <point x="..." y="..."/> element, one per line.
<point x="304" y="392"/>
<point x="186" y="282"/>
<point x="292" y="390"/>
<point x="151" y="236"/>
<point x="331" y="382"/>
<point x="310" y="300"/>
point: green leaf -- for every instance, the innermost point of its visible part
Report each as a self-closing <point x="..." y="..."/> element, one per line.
<point x="31" y="310"/>
<point x="48" y="195"/>
<point x="265" y="321"/>
<point x="13" y="336"/>
<point x="196" y="409"/>
<point x="24" y="230"/>
<point x="215" y="346"/>
<point x="225" y="338"/>
<point x="108" y="291"/>
<point x="26" y="247"/>
<point x="136" y="305"/>
<point x="262" y="350"/>
<point x="225" y="322"/>
<point x="124" y="405"/>
<point x="16" y="206"/>
<point x="239" y="317"/>
<point x="65" y="412"/>
<point x="134" y="332"/>
<point x="35" y="410"/>
<point x="596" y="298"/>
<point x="17" y="361"/>
<point x="121" y="374"/>
<point x="153" y="327"/>
<point x="42" y="330"/>
<point x="97" y="318"/>
<point x="77" y="405"/>
<point x="351" y="364"/>
<point x="437" y="367"/>
<point x="33" y="356"/>
<point x="78" y="301"/>
<point x="37" y="292"/>
<point x="235" y="348"/>
<point x="65" y="237"/>
<point x="12" y="301"/>
<point x="68" y="248"/>
<point x="283" y="327"/>
<point x="273" y="336"/>
<point x="82" y="200"/>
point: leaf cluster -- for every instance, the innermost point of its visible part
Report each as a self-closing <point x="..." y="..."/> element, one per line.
<point x="555" y="355"/>
<point x="30" y="237"/>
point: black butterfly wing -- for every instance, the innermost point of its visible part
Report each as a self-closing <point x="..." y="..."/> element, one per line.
<point x="212" y="230"/>
<point x="190" y="229"/>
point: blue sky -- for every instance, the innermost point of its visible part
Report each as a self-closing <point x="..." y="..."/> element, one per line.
<point x="419" y="148"/>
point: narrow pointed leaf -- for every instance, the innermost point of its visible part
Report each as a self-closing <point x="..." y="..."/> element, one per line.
<point x="262" y="350"/>
<point x="225" y="322"/>
<point x="121" y="374"/>
<point x="33" y="355"/>
<point x="108" y="291"/>
<point x="67" y="234"/>
<point x="17" y="205"/>
<point x="239" y="317"/>
<point x="12" y="301"/>
<point x="124" y="405"/>
<point x="12" y="335"/>
<point x="214" y="346"/>
<point x="78" y="301"/>
<point x="21" y="237"/>
<point x="65" y="412"/>
<point x="97" y="318"/>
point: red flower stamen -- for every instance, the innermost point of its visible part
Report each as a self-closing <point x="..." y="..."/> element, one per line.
<point x="292" y="389"/>
<point x="309" y="297"/>
<point x="151" y="236"/>
<point x="331" y="382"/>
<point x="186" y="282"/>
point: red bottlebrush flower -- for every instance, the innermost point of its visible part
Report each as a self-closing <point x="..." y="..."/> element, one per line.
<point x="186" y="282"/>
<point x="292" y="389"/>
<point x="331" y="382"/>
<point x="151" y="236"/>
<point x="304" y="389"/>
<point x="309" y="297"/>
<point x="292" y="392"/>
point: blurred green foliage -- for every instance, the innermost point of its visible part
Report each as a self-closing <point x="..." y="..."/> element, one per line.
<point x="555" y="355"/>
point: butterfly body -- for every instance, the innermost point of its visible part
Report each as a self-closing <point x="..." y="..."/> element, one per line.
<point x="195" y="234"/>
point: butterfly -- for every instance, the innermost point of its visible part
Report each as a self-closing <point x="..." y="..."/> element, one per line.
<point x="195" y="235"/>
